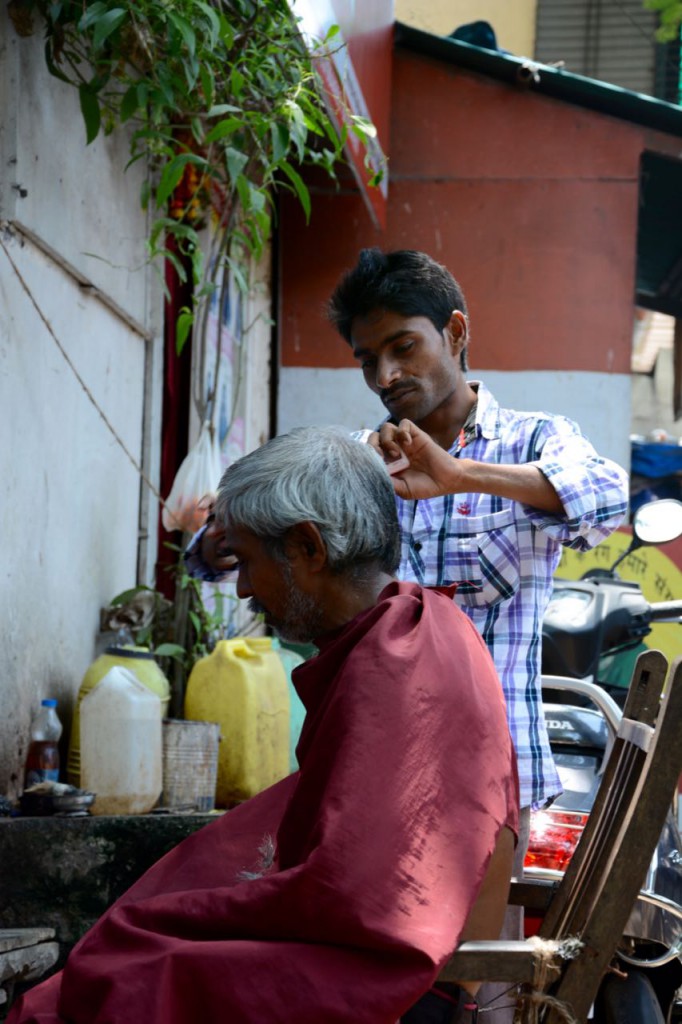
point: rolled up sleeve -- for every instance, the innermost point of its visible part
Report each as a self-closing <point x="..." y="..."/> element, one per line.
<point x="592" y="489"/>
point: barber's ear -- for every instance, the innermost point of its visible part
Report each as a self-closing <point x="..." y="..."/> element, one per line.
<point x="458" y="331"/>
<point x="304" y="544"/>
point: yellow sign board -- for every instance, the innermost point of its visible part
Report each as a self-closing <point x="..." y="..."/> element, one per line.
<point x="658" y="576"/>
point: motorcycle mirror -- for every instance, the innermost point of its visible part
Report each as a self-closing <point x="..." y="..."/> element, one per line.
<point x="658" y="522"/>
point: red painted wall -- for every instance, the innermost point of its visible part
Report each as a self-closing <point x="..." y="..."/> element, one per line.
<point x="530" y="202"/>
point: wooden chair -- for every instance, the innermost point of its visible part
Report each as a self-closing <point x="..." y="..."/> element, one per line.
<point x="587" y="911"/>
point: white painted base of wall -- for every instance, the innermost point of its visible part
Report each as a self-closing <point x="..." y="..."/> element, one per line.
<point x="599" y="402"/>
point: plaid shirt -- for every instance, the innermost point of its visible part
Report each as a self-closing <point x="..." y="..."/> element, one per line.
<point x="503" y="554"/>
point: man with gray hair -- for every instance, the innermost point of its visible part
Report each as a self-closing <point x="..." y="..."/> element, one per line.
<point x="392" y="843"/>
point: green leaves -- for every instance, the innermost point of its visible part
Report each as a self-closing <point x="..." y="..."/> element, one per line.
<point x="236" y="162"/>
<point x="106" y="25"/>
<point x="298" y="128"/>
<point x="362" y="127"/>
<point x="170" y="651"/>
<point x="172" y="173"/>
<point x="670" y="18"/>
<point x="281" y="138"/>
<point x="182" y="328"/>
<point x="90" y="111"/>
<point x="213" y="24"/>
<point x="224" y="128"/>
<point x="185" y="31"/>
<point x="184" y="638"/>
<point x="129" y="103"/>
<point x="223" y="103"/>
<point x="299" y="187"/>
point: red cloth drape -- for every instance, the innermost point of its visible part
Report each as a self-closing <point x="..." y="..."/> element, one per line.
<point x="406" y="777"/>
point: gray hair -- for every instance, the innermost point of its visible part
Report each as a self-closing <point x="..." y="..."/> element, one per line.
<point x="323" y="476"/>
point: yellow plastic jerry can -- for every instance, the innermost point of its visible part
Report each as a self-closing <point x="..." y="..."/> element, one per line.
<point x="242" y="685"/>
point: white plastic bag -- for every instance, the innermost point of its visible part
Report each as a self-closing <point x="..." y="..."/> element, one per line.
<point x="195" y="484"/>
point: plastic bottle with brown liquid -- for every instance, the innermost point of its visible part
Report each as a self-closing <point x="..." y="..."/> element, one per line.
<point x="42" y="760"/>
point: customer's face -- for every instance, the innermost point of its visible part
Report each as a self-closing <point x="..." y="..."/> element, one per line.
<point x="414" y="368"/>
<point x="272" y="587"/>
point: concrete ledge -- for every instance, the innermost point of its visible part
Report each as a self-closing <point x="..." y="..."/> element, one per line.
<point x="62" y="873"/>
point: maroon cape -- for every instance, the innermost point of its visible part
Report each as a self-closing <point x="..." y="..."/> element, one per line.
<point x="383" y="838"/>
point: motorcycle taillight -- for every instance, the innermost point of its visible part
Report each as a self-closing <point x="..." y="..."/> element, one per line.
<point x="554" y="836"/>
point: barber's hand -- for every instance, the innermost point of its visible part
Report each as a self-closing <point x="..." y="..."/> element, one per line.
<point x="431" y="471"/>
<point x="213" y="549"/>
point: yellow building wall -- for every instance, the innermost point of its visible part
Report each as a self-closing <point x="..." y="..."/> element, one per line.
<point x="514" y="23"/>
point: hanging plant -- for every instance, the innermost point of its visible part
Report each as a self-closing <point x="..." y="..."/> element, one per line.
<point x="670" y="19"/>
<point x="223" y="100"/>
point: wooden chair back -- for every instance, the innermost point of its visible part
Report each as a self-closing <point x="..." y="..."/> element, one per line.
<point x="588" y="910"/>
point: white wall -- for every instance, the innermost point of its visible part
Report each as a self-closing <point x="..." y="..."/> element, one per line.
<point x="76" y="198"/>
<point x="70" y="499"/>
<point x="600" y="403"/>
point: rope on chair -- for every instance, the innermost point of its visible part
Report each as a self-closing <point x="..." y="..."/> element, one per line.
<point x="546" y="953"/>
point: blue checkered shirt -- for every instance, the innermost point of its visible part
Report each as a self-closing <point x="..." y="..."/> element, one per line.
<point x="503" y="555"/>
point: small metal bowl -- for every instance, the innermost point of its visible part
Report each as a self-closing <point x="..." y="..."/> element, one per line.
<point x="70" y="803"/>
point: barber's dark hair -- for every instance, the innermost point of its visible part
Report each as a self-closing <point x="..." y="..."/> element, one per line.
<point x="406" y="282"/>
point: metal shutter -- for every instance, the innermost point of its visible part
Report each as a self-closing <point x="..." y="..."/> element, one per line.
<point x="611" y="40"/>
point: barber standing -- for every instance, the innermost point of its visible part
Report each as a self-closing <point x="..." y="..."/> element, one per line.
<point x="490" y="494"/>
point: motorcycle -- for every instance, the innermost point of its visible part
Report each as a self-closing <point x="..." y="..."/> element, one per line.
<point x="586" y="621"/>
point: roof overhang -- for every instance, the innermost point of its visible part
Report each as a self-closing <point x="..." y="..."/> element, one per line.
<point x="659" y="236"/>
<point x="550" y="81"/>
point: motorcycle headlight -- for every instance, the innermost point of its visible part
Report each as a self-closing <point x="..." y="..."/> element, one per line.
<point x="568" y="608"/>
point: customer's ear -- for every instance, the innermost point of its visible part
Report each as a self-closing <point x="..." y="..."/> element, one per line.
<point x="304" y="545"/>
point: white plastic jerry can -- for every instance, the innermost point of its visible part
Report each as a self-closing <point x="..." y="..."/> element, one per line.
<point x="121" y="747"/>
